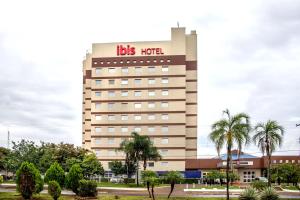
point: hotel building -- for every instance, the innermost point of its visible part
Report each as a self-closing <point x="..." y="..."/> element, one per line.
<point x="147" y="87"/>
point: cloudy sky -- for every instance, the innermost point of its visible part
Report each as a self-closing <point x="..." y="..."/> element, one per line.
<point x="248" y="60"/>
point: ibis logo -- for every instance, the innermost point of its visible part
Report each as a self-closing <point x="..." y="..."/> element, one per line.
<point x="125" y="50"/>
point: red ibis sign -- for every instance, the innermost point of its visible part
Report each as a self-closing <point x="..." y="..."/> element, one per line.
<point x="127" y="50"/>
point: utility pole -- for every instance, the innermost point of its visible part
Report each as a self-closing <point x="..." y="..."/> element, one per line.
<point x="298" y="125"/>
<point x="8" y="139"/>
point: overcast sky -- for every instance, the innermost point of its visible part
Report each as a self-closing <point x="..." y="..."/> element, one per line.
<point x="248" y="60"/>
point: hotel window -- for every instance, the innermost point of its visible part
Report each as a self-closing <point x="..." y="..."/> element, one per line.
<point x="137" y="93"/>
<point x="111" y="70"/>
<point x="164" y="80"/>
<point x="164" y="129"/>
<point x="165" y="93"/>
<point x="293" y="161"/>
<point x="151" y="117"/>
<point x="165" y="69"/>
<point x="164" y="152"/>
<point x="151" y="93"/>
<point x="111" y="93"/>
<point x="98" y="82"/>
<point x="164" y="116"/>
<point x="274" y="161"/>
<point x="110" y="105"/>
<point x="138" y="69"/>
<point x="164" y="140"/>
<point x="249" y="176"/>
<point x="137" y="81"/>
<point x="151" y="69"/>
<point x="151" y="105"/>
<point x="152" y="140"/>
<point x="97" y="141"/>
<point x="98" y="129"/>
<point x="98" y="71"/>
<point x="111" y="82"/>
<point x="150" y="164"/>
<point x="280" y="161"/>
<point x="98" y="117"/>
<point x="137" y="129"/>
<point x="111" y="141"/>
<point x="124" y="93"/>
<point x="137" y="117"/>
<point x="164" y="164"/>
<point x="164" y="104"/>
<point x="111" y="129"/>
<point x="111" y="117"/>
<point x="124" y="81"/>
<point x="299" y="161"/>
<point x="124" y="117"/>
<point x="98" y="94"/>
<point x="151" y="129"/>
<point x="151" y="81"/>
<point x="111" y="153"/>
<point x="124" y="129"/>
<point x="125" y="70"/>
<point x="137" y="105"/>
<point x="98" y="153"/>
<point x="124" y="105"/>
<point x="286" y="161"/>
<point x="97" y="105"/>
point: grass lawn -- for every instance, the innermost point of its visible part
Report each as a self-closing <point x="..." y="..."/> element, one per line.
<point x="16" y="196"/>
<point x="123" y="185"/>
<point x="290" y="187"/>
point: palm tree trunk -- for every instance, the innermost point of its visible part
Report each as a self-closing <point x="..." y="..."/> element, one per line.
<point x="227" y="173"/>
<point x="269" y="169"/>
<point x="145" y="164"/>
<point x="152" y="190"/>
<point x="148" y="188"/>
<point x="137" y="174"/>
<point x="172" y="188"/>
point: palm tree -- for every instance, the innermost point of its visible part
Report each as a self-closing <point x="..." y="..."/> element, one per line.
<point x="229" y="131"/>
<point x="173" y="177"/>
<point x="268" y="137"/>
<point x="139" y="148"/>
<point x="146" y="175"/>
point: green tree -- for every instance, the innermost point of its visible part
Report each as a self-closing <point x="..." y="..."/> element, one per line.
<point x="72" y="161"/>
<point x="4" y="152"/>
<point x="229" y="131"/>
<point x="268" y="137"/>
<point x="131" y="164"/>
<point x="54" y="189"/>
<point x="139" y="148"/>
<point x="91" y="166"/>
<point x="55" y="173"/>
<point x="117" y="168"/>
<point x="146" y="175"/>
<point x="173" y="177"/>
<point x="73" y="178"/>
<point x="28" y="180"/>
<point x="153" y="182"/>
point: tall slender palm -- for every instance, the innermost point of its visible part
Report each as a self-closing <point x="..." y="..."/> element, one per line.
<point x="229" y="131"/>
<point x="268" y="137"/>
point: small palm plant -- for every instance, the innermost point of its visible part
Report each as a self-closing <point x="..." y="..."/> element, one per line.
<point x="249" y="194"/>
<point x="269" y="194"/>
<point x="173" y="177"/>
<point x="146" y="175"/>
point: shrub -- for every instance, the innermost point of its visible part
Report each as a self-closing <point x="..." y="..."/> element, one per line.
<point x="28" y="180"/>
<point x="259" y="185"/>
<point x="248" y="194"/>
<point x="1" y="179"/>
<point x="55" y="173"/>
<point x="269" y="194"/>
<point x="54" y="189"/>
<point x="128" y="180"/>
<point x="73" y="178"/>
<point x="87" y="188"/>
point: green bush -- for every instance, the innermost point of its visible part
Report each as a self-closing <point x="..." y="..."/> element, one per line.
<point x="55" y="173"/>
<point x="269" y="194"/>
<point x="54" y="189"/>
<point x="73" y="178"/>
<point x="28" y="180"/>
<point x="249" y="194"/>
<point x="1" y="179"/>
<point x="87" y="188"/>
<point x="189" y="180"/>
<point x="129" y="180"/>
<point x="259" y="185"/>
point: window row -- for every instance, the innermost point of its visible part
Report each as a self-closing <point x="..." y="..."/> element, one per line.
<point x="136" y="105"/>
<point x="135" y="129"/>
<point x="135" y="117"/>
<point x="136" y="93"/>
<point x="111" y="141"/>
<point x="163" y="152"/>
<point x="137" y="81"/>
<point x="249" y="176"/>
<point x="286" y="161"/>
<point x="125" y="70"/>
